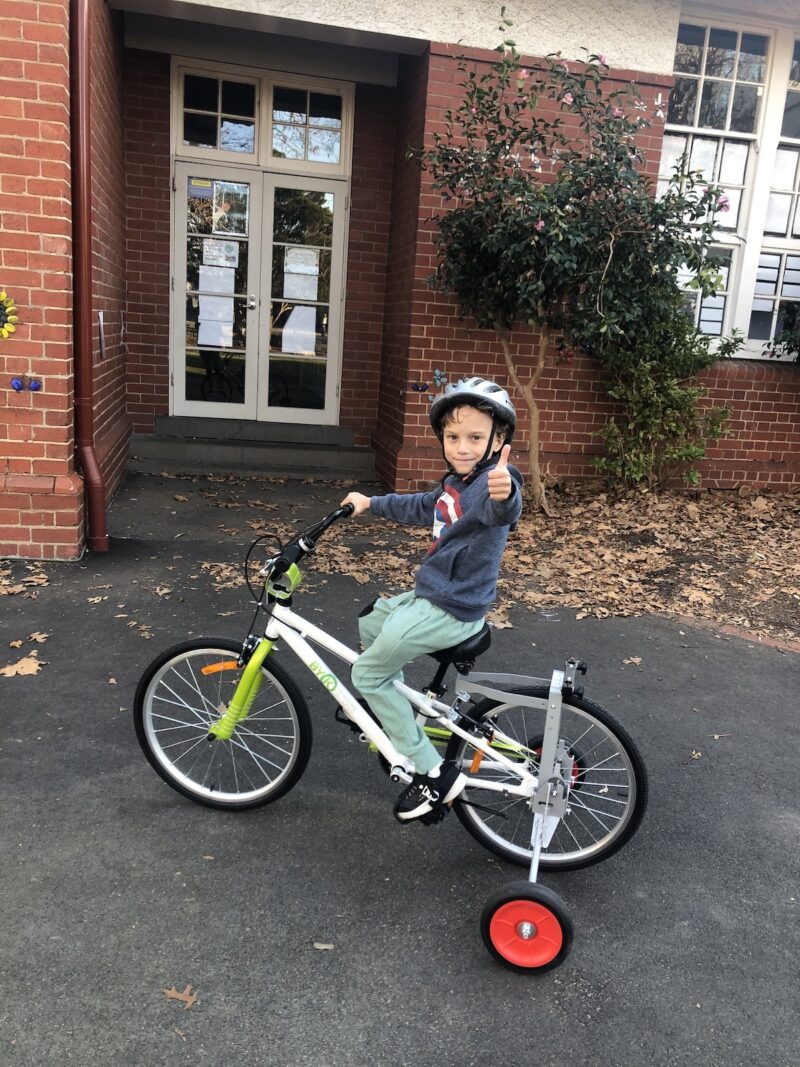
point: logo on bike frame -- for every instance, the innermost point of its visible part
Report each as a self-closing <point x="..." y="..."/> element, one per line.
<point x="327" y="679"/>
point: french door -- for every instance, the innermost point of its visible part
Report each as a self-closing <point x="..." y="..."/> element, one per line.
<point x="257" y="314"/>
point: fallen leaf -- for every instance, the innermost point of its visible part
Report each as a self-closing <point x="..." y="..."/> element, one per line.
<point x="636" y="660"/>
<point x="696" y="754"/>
<point x="163" y="590"/>
<point x="321" y="946"/>
<point x="187" y="997"/>
<point x="180" y="1033"/>
<point x="38" y="637"/>
<point x="499" y="619"/>
<point x="27" y="665"/>
<point x="179" y="496"/>
<point x="112" y="681"/>
<point x="15" y="644"/>
<point x="95" y="599"/>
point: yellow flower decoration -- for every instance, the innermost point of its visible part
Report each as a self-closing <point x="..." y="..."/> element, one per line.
<point x="8" y="315"/>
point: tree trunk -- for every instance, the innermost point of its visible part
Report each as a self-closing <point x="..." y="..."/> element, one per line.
<point x="526" y="390"/>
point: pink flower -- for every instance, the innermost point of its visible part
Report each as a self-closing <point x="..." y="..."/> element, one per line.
<point x="539" y="226"/>
<point x="617" y="112"/>
<point x="523" y="73"/>
<point x="602" y="59"/>
<point x="567" y="99"/>
<point x="723" y="204"/>
<point x="474" y="110"/>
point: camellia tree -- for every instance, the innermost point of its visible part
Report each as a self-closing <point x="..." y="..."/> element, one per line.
<point x="549" y="222"/>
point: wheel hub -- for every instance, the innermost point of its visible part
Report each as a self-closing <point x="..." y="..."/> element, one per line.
<point x="526" y="930"/>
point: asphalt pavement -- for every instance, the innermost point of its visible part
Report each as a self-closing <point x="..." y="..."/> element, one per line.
<point x="115" y="888"/>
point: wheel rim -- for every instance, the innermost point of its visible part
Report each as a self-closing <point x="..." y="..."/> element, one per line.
<point x="183" y="700"/>
<point x="526" y="933"/>
<point x="601" y="803"/>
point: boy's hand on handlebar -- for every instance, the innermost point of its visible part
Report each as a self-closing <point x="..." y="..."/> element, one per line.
<point x="357" y="501"/>
<point x="499" y="480"/>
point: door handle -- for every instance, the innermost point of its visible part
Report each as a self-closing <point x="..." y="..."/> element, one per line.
<point x="251" y="303"/>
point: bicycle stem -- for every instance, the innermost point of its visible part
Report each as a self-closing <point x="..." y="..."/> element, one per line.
<point x="246" y="692"/>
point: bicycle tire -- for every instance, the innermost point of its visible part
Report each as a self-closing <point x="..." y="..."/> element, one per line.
<point x="176" y="702"/>
<point x="607" y="800"/>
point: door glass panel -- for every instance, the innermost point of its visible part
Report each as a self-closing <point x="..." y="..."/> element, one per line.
<point x="217" y="246"/>
<point x="302" y="237"/>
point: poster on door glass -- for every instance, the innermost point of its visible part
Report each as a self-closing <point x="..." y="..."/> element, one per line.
<point x="220" y="253"/>
<point x="231" y="208"/>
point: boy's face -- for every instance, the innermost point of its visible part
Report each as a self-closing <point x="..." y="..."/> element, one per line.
<point x="466" y="435"/>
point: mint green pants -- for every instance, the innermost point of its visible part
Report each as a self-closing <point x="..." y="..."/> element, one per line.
<point x="396" y="631"/>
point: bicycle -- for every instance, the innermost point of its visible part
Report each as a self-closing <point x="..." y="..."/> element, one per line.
<point x="554" y="780"/>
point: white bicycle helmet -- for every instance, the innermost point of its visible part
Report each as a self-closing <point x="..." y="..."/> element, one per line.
<point x="476" y="392"/>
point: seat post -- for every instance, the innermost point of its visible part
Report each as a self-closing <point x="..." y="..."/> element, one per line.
<point x="436" y="686"/>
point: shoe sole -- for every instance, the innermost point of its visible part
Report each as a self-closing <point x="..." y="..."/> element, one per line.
<point x="456" y="788"/>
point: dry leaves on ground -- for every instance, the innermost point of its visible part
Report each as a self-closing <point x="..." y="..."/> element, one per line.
<point x="29" y="664"/>
<point x="187" y="997"/>
<point x="727" y="558"/>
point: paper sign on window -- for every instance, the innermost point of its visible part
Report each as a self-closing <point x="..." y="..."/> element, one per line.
<point x="220" y="253"/>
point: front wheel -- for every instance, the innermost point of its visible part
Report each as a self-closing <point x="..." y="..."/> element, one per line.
<point x="526" y="928"/>
<point x="184" y="691"/>
<point x="608" y="783"/>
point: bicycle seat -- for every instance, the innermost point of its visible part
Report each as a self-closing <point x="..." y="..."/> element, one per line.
<point x="468" y="651"/>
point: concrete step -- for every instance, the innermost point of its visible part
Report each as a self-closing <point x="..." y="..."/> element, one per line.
<point x="247" y="430"/>
<point x="298" y="459"/>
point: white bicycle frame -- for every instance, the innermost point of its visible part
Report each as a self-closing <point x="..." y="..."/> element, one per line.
<point x="285" y="625"/>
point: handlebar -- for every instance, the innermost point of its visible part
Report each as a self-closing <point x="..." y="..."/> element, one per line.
<point x="306" y="541"/>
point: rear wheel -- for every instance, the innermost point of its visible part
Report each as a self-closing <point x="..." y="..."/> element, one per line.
<point x="188" y="688"/>
<point x="608" y="783"/>
<point x="526" y="928"/>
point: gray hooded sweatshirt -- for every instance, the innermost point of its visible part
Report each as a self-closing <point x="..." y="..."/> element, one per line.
<point x="459" y="572"/>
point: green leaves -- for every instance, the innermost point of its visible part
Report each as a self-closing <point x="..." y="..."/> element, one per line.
<point x="550" y="221"/>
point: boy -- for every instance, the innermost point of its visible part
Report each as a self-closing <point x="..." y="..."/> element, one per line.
<point x="471" y="512"/>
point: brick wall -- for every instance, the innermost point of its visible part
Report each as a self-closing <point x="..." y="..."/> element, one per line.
<point x="367" y="249"/>
<point x="763" y="448"/>
<point x="147" y="170"/>
<point x="40" y="495"/>
<point x="111" y="423"/>
<point x="402" y="261"/>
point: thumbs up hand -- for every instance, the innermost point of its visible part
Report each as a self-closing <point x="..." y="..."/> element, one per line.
<point x="499" y="478"/>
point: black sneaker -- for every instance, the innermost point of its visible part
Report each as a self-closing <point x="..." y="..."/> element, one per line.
<point x="425" y="793"/>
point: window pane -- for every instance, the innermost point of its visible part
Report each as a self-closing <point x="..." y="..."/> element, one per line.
<point x="325" y="110"/>
<point x="324" y="145"/>
<point x="689" y="51"/>
<point x="729" y="220"/>
<point x="745" y="109"/>
<point x="796" y="224"/>
<point x="791" y="116"/>
<point x="289" y="284"/>
<point x="200" y="94"/>
<point x="300" y="330"/>
<point x="787" y="316"/>
<point x="199" y="205"/>
<point x="682" y="102"/>
<point x="211" y="252"/>
<point x="783" y="173"/>
<point x="767" y="276"/>
<point x="237" y="136"/>
<point x="721" y="53"/>
<point x="672" y="149"/>
<point x="704" y="155"/>
<point x="239" y="98"/>
<point x="734" y="162"/>
<point x="714" y="105"/>
<point x="752" y="58"/>
<point x="288" y="142"/>
<point x="794" y="73"/>
<point x="215" y="376"/>
<point x="303" y="217"/>
<point x="296" y="382"/>
<point x="200" y="130"/>
<point x="778" y="213"/>
<point x="760" y="325"/>
<point x="289" y="105"/>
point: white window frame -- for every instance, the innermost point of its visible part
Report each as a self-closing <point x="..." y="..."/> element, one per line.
<point x="264" y="81"/>
<point x="755" y="197"/>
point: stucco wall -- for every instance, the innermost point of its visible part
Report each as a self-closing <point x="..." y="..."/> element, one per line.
<point x="632" y="34"/>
